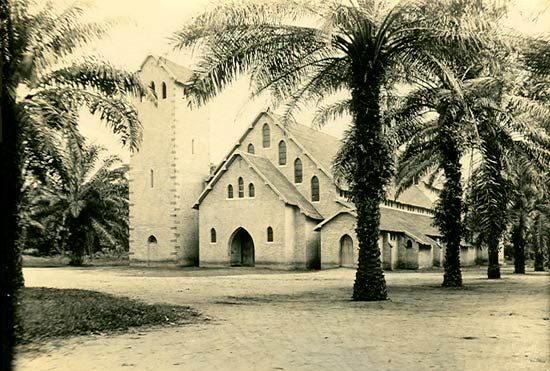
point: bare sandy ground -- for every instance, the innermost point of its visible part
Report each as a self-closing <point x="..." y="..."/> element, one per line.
<point x="264" y="320"/>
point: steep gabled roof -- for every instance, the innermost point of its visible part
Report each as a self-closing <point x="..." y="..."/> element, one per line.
<point x="319" y="147"/>
<point x="179" y="73"/>
<point x="417" y="226"/>
<point x="413" y="195"/>
<point x="272" y="177"/>
<point x="323" y="147"/>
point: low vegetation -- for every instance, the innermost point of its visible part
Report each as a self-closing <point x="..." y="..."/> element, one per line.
<point x="56" y="313"/>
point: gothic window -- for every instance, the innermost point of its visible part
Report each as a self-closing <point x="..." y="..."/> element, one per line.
<point x="241" y="187"/>
<point x="163" y="90"/>
<point x="153" y="87"/>
<point x="251" y="190"/>
<point x="152" y="241"/>
<point x="282" y="152"/>
<point x="213" y="235"/>
<point x="266" y="139"/>
<point x="152" y="178"/>
<point x="315" y="189"/>
<point x="250" y="148"/>
<point x="230" y="191"/>
<point x="297" y="171"/>
<point x="269" y="234"/>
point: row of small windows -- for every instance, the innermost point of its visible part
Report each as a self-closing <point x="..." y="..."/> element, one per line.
<point x="214" y="237"/>
<point x="152" y="86"/>
<point x="240" y="189"/>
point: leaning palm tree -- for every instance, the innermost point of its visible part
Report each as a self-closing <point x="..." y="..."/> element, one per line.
<point x="42" y="86"/>
<point x="304" y="51"/>
<point x="88" y="202"/>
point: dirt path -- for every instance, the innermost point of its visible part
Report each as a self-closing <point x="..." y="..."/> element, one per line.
<point x="264" y="320"/>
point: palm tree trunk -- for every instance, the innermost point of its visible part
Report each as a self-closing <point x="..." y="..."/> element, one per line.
<point x="539" y="247"/>
<point x="518" y="241"/>
<point x="373" y="165"/>
<point x="493" y="271"/>
<point x="448" y="212"/>
<point x="10" y="262"/>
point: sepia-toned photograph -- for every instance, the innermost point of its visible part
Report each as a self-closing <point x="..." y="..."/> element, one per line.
<point x="263" y="185"/>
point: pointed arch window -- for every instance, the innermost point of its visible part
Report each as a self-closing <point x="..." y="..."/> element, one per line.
<point x="163" y="90"/>
<point x="152" y="86"/>
<point x="282" y="152"/>
<point x="152" y="241"/>
<point x="241" y="187"/>
<point x="213" y="235"/>
<point x="266" y="136"/>
<point x="251" y="190"/>
<point x="250" y="148"/>
<point x="230" y="191"/>
<point x="297" y="171"/>
<point x="269" y="234"/>
<point x="315" y="189"/>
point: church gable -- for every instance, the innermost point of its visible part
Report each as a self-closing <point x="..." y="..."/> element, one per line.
<point x="266" y="137"/>
<point x="265" y="173"/>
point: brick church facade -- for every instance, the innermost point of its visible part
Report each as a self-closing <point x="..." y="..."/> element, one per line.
<point x="272" y="202"/>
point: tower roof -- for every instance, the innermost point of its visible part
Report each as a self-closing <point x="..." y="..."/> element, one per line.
<point x="179" y="73"/>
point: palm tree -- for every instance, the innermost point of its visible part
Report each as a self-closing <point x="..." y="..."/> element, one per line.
<point x="40" y="87"/>
<point x="539" y="229"/>
<point x="339" y="46"/>
<point x="87" y="202"/>
<point x="432" y="122"/>
<point x="527" y="188"/>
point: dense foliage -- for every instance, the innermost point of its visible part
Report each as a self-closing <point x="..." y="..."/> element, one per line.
<point x="42" y="89"/>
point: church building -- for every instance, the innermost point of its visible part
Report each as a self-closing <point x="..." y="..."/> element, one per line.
<point x="271" y="202"/>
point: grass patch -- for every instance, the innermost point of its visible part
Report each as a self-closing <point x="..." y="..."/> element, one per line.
<point x="53" y="313"/>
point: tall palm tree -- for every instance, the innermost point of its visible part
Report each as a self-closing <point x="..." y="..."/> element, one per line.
<point x="527" y="188"/>
<point x="539" y="229"/>
<point x="41" y="86"/>
<point x="87" y="202"/>
<point x="305" y="51"/>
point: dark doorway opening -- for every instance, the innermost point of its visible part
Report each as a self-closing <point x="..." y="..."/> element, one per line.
<point x="242" y="249"/>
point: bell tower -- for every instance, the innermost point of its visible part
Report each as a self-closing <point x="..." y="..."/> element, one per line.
<point x="169" y="171"/>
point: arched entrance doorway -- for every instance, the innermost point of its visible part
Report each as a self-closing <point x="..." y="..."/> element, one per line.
<point x="151" y="248"/>
<point x="346" y="251"/>
<point x="241" y="249"/>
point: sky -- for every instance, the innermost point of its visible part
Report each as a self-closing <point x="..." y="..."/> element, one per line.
<point x="143" y="27"/>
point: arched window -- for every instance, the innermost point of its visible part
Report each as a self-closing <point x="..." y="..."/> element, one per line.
<point x="153" y="87"/>
<point x="163" y="90"/>
<point x="230" y="191"/>
<point x="282" y="152"/>
<point x="251" y="190"/>
<point x="241" y="187"/>
<point x="213" y="235"/>
<point x="409" y="244"/>
<point x="314" y="188"/>
<point x="152" y="241"/>
<point x="297" y="171"/>
<point x="152" y="178"/>
<point x="266" y="136"/>
<point x="250" y="148"/>
<point x="269" y="234"/>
